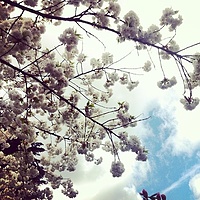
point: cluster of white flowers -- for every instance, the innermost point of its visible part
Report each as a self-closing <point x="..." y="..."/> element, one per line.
<point x="107" y="58"/>
<point x="190" y="103"/>
<point x="55" y="180"/>
<point x="129" y="29"/>
<point x="147" y="66"/>
<point x="194" y="77"/>
<point x="98" y="161"/>
<point x="124" y="117"/>
<point x="81" y="58"/>
<point x="152" y="35"/>
<point x="89" y="156"/>
<point x="167" y="19"/>
<point x="196" y="62"/>
<point x="124" y="79"/>
<point x="132" y="84"/>
<point x="167" y="83"/>
<point x="54" y="7"/>
<point x="117" y="168"/>
<point x="107" y="146"/>
<point x="31" y="3"/>
<point x="132" y="143"/>
<point x="68" y="189"/>
<point x="5" y="10"/>
<point x="22" y="39"/>
<point x="113" y="76"/>
<point x="142" y="155"/>
<point x="193" y="81"/>
<point x="69" y="38"/>
<point x="57" y="79"/>
<point x="114" y="9"/>
<point x="95" y="63"/>
<point x="88" y="3"/>
<point x="101" y="19"/>
<point x="171" y="46"/>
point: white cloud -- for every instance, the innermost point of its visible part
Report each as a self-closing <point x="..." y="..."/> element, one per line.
<point x="180" y="128"/>
<point x="122" y="188"/>
<point x="194" y="186"/>
<point x="96" y="182"/>
<point x="117" y="192"/>
<point x="183" y="129"/>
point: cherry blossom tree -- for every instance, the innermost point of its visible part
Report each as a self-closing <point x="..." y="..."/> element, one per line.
<point x="52" y="110"/>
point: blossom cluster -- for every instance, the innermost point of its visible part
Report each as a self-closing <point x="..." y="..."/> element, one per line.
<point x="101" y="19"/>
<point x="196" y="63"/>
<point x="69" y="38"/>
<point x="147" y="66"/>
<point x="130" y="27"/>
<point x="152" y="35"/>
<point x="23" y="39"/>
<point x="88" y="3"/>
<point x="54" y="7"/>
<point x="167" y="19"/>
<point x="20" y="170"/>
<point x="190" y="103"/>
<point x="123" y="116"/>
<point x="171" y="46"/>
<point x="5" y="10"/>
<point x="117" y="168"/>
<point x="167" y="83"/>
<point x="68" y="189"/>
<point x="31" y="3"/>
<point x="114" y="9"/>
<point x="132" y="143"/>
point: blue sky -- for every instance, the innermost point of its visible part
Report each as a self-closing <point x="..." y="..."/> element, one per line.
<point x="171" y="174"/>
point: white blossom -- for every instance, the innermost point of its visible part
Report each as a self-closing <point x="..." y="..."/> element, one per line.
<point x="81" y="57"/>
<point x="117" y="168"/>
<point x="95" y="63"/>
<point x="196" y="62"/>
<point x="113" y="76"/>
<point x="168" y="19"/>
<point x="132" y="84"/>
<point x="167" y="83"/>
<point x="124" y="79"/>
<point x="129" y="29"/>
<point x="142" y="155"/>
<point x="98" y="161"/>
<point x="147" y="66"/>
<point x="190" y="103"/>
<point x="152" y="35"/>
<point x="101" y="18"/>
<point x="69" y="38"/>
<point x="114" y="9"/>
<point x="31" y="3"/>
<point x="107" y="58"/>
